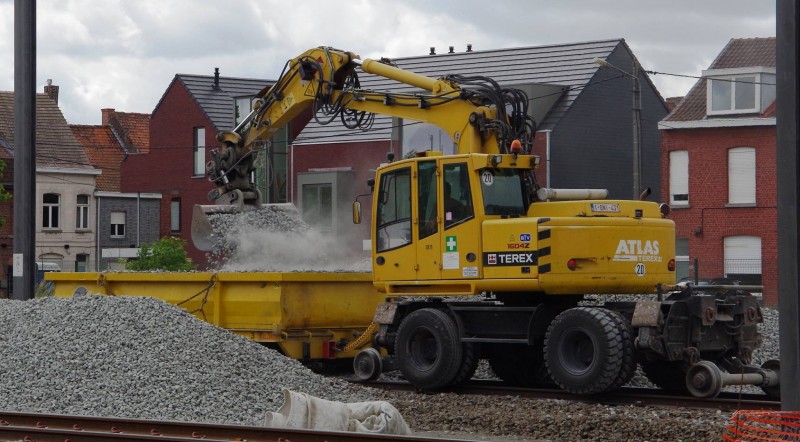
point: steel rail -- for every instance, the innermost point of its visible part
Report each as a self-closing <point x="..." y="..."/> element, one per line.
<point x="726" y="401"/>
<point x="43" y="427"/>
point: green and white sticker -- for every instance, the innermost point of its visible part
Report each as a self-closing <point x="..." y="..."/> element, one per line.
<point x="450" y="244"/>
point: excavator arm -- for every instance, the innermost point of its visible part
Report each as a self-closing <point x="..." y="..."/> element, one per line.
<point x="477" y="114"/>
<point x="326" y="80"/>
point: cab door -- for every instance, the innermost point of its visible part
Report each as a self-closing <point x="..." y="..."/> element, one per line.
<point x="460" y="236"/>
<point x="394" y="256"/>
<point x="427" y="225"/>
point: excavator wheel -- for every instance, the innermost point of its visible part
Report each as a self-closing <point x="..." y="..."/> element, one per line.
<point x="469" y="364"/>
<point x="429" y="351"/>
<point x="628" y="351"/>
<point x="520" y="365"/>
<point x="584" y="350"/>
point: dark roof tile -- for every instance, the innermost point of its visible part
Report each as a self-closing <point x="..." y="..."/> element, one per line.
<point x="55" y="144"/>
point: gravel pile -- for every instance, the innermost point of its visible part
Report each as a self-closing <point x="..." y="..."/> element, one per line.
<point x="274" y="238"/>
<point x="142" y="358"/>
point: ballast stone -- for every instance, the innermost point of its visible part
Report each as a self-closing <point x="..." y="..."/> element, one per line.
<point x="139" y="357"/>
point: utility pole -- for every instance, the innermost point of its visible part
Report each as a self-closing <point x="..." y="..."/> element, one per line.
<point x="24" y="197"/>
<point x="788" y="145"/>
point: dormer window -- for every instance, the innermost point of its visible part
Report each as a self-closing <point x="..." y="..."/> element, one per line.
<point x="739" y="90"/>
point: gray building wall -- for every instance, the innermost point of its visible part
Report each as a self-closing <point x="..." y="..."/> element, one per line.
<point x="592" y="145"/>
<point x="142" y="216"/>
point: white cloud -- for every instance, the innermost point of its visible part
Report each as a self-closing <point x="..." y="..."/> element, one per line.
<point x="123" y="54"/>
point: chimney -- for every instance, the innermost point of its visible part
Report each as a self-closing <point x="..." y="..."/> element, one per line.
<point x="51" y="91"/>
<point x="107" y="112"/>
<point x="433" y="50"/>
<point x="216" y="79"/>
<point x="469" y="47"/>
<point x="452" y="51"/>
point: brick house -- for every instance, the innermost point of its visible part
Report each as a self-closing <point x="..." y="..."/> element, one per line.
<point x="183" y="129"/>
<point x="65" y="181"/>
<point x="718" y="169"/>
<point x="125" y="220"/>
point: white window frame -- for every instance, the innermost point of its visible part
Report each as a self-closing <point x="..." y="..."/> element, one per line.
<point x="175" y="215"/>
<point x="199" y="151"/>
<point x="118" y="222"/>
<point x="242" y="106"/>
<point x="742" y="176"/>
<point x="742" y="247"/>
<point x="82" y="212"/>
<point x="679" y="178"/>
<point x="732" y="75"/>
<point x="51" y="212"/>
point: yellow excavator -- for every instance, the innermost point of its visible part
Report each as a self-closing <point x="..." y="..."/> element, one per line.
<point x="479" y="262"/>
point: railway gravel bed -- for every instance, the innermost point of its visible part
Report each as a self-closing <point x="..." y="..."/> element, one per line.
<point x="142" y="358"/>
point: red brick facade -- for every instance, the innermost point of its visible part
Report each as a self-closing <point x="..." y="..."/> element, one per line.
<point x="707" y="220"/>
<point x="168" y="167"/>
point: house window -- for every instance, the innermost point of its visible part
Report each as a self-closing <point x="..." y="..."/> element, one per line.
<point x="679" y="178"/>
<point x="199" y="151"/>
<point x="117" y="224"/>
<point x="743" y="259"/>
<point x="243" y="106"/>
<point x="175" y="215"/>
<point x="733" y="94"/>
<point x="318" y="205"/>
<point x="681" y="258"/>
<point x="50" y="210"/>
<point x="742" y="175"/>
<point x="81" y="262"/>
<point x="82" y="214"/>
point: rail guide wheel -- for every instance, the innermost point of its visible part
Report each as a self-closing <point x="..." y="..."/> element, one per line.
<point x="704" y="379"/>
<point x="368" y="365"/>
<point x="772" y="391"/>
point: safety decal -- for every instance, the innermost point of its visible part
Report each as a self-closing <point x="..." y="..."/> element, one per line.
<point x="451" y="243"/>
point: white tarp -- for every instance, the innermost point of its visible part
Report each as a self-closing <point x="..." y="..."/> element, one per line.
<point x="299" y="410"/>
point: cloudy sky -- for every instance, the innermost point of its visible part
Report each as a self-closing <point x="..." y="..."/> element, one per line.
<point x="122" y="54"/>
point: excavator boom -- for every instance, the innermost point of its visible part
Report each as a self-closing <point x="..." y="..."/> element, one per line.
<point x="483" y="118"/>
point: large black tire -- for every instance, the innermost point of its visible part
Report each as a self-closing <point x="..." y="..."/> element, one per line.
<point x="584" y="351"/>
<point x="469" y="364"/>
<point x="628" y="352"/>
<point x="666" y="375"/>
<point x="429" y="352"/>
<point x="520" y="365"/>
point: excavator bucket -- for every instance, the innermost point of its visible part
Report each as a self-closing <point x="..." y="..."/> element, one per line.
<point x="202" y="231"/>
<point x="205" y="235"/>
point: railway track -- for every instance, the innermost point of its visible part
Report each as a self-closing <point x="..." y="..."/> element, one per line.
<point x="38" y="427"/>
<point x="626" y="396"/>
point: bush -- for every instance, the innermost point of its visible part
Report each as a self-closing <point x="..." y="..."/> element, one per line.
<point x="168" y="253"/>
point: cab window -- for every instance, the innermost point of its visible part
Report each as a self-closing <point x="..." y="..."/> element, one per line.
<point x="427" y="199"/>
<point x="502" y="192"/>
<point x="393" y="228"/>
<point x="457" y="197"/>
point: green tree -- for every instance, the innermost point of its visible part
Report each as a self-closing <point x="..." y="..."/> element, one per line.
<point x="168" y="253"/>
